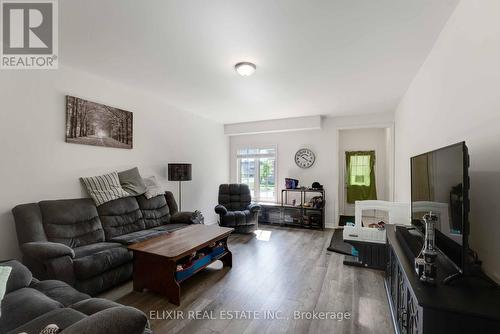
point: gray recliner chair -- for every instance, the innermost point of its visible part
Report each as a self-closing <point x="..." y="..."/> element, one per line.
<point x="235" y="208"/>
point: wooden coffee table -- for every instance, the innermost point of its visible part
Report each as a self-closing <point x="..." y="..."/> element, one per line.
<point x="155" y="260"/>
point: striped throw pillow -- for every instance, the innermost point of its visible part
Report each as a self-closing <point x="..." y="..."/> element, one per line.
<point x="104" y="188"/>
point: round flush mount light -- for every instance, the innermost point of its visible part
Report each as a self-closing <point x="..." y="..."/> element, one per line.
<point x="245" y="68"/>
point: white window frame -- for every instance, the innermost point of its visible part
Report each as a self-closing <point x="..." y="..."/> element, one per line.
<point x="256" y="197"/>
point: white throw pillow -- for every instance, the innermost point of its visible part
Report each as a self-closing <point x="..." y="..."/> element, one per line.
<point x="4" y="277"/>
<point x="104" y="188"/>
<point x="153" y="188"/>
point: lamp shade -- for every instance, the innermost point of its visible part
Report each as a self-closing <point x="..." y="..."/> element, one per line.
<point x="179" y="172"/>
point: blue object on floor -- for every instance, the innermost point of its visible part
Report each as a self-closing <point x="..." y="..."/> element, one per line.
<point x="354" y="252"/>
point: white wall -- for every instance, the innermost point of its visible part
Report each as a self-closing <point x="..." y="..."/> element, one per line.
<point x="369" y="139"/>
<point x="324" y="143"/>
<point x="455" y="96"/>
<point x="37" y="164"/>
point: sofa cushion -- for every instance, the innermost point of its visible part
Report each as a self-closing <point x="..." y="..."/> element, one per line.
<point x="238" y="218"/>
<point x="73" y="222"/>
<point x="97" y="263"/>
<point x="62" y="317"/>
<point x="115" y="320"/>
<point x="94" y="248"/>
<point x="138" y="236"/>
<point x="23" y="305"/>
<point x="120" y="217"/>
<point x="93" y="305"/>
<point x="155" y="211"/>
<point x="59" y="291"/>
<point x="234" y="196"/>
<point x="105" y="281"/>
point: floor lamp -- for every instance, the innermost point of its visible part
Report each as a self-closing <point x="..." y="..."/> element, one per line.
<point x="179" y="172"/>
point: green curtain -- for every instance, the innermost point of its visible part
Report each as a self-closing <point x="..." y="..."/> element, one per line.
<point x="360" y="176"/>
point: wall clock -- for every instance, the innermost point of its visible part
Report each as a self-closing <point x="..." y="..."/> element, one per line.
<point x="304" y="158"/>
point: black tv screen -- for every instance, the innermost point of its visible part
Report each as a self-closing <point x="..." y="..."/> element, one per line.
<point x="439" y="184"/>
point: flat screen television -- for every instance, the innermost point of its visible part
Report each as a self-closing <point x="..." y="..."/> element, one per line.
<point x="440" y="183"/>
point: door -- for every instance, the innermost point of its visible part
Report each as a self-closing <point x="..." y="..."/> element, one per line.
<point x="366" y="139"/>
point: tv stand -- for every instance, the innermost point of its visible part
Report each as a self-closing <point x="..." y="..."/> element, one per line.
<point x="452" y="277"/>
<point x="475" y="274"/>
<point x="469" y="305"/>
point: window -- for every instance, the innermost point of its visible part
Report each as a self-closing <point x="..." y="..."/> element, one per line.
<point x="257" y="168"/>
<point x="360" y="176"/>
<point x="359" y="170"/>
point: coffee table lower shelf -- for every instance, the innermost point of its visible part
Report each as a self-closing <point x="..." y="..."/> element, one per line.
<point x="215" y="258"/>
<point x="157" y="274"/>
<point x="156" y="259"/>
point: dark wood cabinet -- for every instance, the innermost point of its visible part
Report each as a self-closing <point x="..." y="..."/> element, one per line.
<point x="466" y="306"/>
<point x="406" y="311"/>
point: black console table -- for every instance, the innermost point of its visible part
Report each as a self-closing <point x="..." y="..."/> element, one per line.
<point x="468" y="305"/>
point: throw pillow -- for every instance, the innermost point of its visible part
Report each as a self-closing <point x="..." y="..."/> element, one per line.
<point x="153" y="189"/>
<point x="131" y="181"/>
<point x="197" y="218"/>
<point x="50" y="329"/>
<point x="104" y="188"/>
<point x="4" y="277"/>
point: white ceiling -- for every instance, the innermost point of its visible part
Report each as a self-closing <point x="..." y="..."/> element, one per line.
<point x="328" y="57"/>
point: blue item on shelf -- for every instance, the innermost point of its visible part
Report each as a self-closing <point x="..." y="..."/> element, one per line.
<point x="217" y="251"/>
<point x="183" y="274"/>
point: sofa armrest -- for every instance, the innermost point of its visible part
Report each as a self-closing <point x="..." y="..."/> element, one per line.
<point x="254" y="208"/>
<point x="221" y="210"/>
<point x="46" y="250"/>
<point x="115" y="320"/>
<point x="181" y="217"/>
<point x="60" y="268"/>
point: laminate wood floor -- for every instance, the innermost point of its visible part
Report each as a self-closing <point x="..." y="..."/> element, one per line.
<point x="276" y="273"/>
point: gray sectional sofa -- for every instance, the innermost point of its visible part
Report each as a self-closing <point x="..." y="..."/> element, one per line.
<point x="30" y="305"/>
<point x="86" y="246"/>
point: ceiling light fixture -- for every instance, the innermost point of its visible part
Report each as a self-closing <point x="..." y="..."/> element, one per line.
<point x="245" y="68"/>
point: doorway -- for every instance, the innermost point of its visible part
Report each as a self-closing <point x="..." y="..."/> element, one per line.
<point x="378" y="145"/>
